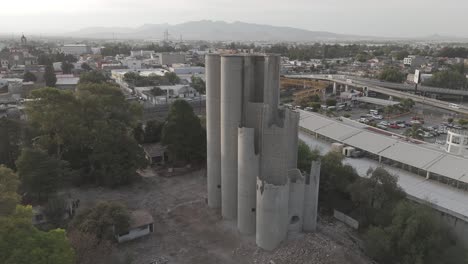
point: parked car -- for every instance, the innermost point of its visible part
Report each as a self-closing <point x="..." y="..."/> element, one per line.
<point x="384" y="123"/>
<point x="363" y="120"/>
<point x="415" y="122"/>
<point x="382" y="126"/>
<point x="394" y="126"/>
<point x="378" y="117"/>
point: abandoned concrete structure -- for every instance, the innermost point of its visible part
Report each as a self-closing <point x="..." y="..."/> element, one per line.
<point x="252" y="151"/>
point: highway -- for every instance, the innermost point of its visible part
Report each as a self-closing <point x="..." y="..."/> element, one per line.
<point x="376" y="86"/>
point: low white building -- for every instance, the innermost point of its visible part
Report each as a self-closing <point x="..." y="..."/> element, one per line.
<point x="141" y="224"/>
<point x="76" y="49"/>
<point x="167" y="58"/>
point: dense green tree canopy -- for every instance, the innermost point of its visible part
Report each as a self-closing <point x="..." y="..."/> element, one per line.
<point x="305" y="156"/>
<point x="49" y="76"/>
<point x="415" y="235"/>
<point x="9" y="183"/>
<point x="105" y="220"/>
<point x="92" y="77"/>
<point x="392" y="74"/>
<point x="29" y="77"/>
<point x="67" y="67"/>
<point x="198" y="84"/>
<point x="10" y="140"/>
<point x="91" y="129"/>
<point x="22" y="243"/>
<point x="183" y="134"/>
<point x="41" y="175"/>
<point x="373" y="196"/>
<point x="451" y="79"/>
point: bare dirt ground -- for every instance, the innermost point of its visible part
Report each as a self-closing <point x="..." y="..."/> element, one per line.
<point x="187" y="231"/>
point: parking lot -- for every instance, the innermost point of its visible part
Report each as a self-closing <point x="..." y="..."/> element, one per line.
<point x="433" y="121"/>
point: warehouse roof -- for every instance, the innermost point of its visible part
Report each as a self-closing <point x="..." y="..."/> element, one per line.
<point x="422" y="156"/>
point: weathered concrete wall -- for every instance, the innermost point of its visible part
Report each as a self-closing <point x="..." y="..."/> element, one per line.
<point x="248" y="169"/>
<point x="213" y="128"/>
<point x="272" y="214"/>
<point x="231" y="117"/>
<point x="296" y="201"/>
<point x="311" y="193"/>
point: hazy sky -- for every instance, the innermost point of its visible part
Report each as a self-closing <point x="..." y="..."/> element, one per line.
<point x="363" y="17"/>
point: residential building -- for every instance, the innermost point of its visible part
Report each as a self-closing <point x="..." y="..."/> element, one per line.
<point x="167" y="58"/>
<point x="76" y="49"/>
<point x="186" y="69"/>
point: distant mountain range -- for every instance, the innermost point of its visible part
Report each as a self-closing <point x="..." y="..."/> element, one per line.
<point x="236" y="31"/>
<point x="213" y="31"/>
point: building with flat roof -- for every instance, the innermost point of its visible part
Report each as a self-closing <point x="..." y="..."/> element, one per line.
<point x="76" y="49"/>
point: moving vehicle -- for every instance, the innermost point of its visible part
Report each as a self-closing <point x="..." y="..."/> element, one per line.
<point x="455" y="106"/>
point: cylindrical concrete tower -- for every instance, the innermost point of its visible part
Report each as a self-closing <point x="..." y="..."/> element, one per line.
<point x="231" y="118"/>
<point x="296" y="201"/>
<point x="311" y="192"/>
<point x="272" y="214"/>
<point x="213" y="128"/>
<point x="248" y="169"/>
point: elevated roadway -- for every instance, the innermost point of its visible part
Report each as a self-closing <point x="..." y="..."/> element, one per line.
<point x="377" y="86"/>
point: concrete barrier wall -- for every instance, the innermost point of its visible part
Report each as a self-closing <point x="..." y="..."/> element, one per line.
<point x="346" y="219"/>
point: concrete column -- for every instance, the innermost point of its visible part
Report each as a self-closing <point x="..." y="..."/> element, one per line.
<point x="272" y="214"/>
<point x="296" y="201"/>
<point x="346" y="88"/>
<point x="213" y="129"/>
<point x="380" y="159"/>
<point x="334" y="87"/>
<point x="248" y="169"/>
<point x="428" y="175"/>
<point x="231" y="117"/>
<point x="311" y="193"/>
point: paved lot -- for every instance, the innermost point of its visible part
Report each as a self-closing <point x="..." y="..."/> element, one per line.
<point x="186" y="231"/>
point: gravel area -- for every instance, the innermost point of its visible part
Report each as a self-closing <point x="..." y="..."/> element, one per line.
<point x="186" y="231"/>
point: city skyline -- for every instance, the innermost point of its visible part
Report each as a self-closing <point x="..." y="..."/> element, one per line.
<point x="365" y="17"/>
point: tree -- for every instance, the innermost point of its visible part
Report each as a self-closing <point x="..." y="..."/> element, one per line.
<point x="391" y="74"/>
<point x="198" y="84"/>
<point x="40" y="174"/>
<point x="92" y="129"/>
<point x="330" y="102"/>
<point x="55" y="210"/>
<point x="104" y="220"/>
<point x="375" y="197"/>
<point x="9" y="183"/>
<point x="85" y="66"/>
<point x="92" y="77"/>
<point x="10" y="140"/>
<point x="414" y="132"/>
<point x="156" y="91"/>
<point x="462" y="122"/>
<point x="172" y="78"/>
<point x="400" y="55"/>
<point x="90" y="250"/>
<point x="305" y="156"/>
<point x="415" y="235"/>
<point x="49" y="76"/>
<point x="451" y="79"/>
<point x="29" y="77"/>
<point x="22" y="243"/>
<point x="183" y="134"/>
<point x="153" y="131"/>
<point x="335" y="177"/>
<point x="67" y="67"/>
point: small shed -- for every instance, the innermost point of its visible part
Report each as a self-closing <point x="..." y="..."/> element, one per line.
<point x="141" y="224"/>
<point x="155" y="153"/>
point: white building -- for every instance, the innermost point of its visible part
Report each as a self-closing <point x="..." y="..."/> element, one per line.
<point x="141" y="53"/>
<point x="131" y="63"/>
<point x="457" y="142"/>
<point x="414" y="61"/>
<point x="141" y="224"/>
<point x="76" y="49"/>
<point x="179" y="91"/>
<point x="186" y="69"/>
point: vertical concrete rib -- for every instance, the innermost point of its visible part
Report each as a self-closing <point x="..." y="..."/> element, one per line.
<point x="296" y="201"/>
<point x="311" y="194"/>
<point x="248" y="169"/>
<point x="231" y="118"/>
<point x="213" y="129"/>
